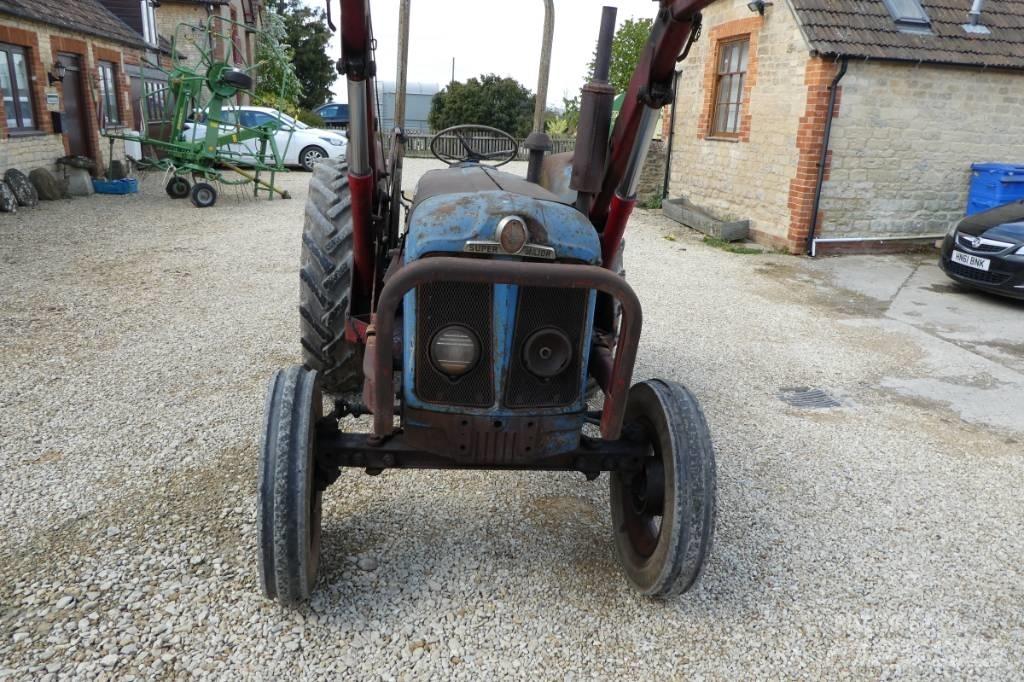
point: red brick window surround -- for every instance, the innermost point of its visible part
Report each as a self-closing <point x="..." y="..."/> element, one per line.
<point x="16" y="84"/>
<point x="730" y="72"/>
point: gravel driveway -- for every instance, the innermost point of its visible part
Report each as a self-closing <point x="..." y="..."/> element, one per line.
<point x="881" y="538"/>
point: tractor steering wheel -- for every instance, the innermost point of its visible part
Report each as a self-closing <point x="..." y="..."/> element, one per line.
<point x="474" y="143"/>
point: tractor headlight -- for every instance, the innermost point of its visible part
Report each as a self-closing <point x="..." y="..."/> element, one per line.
<point x="454" y="350"/>
<point x="336" y="141"/>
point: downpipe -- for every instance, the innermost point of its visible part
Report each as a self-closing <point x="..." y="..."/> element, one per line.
<point x="812" y="228"/>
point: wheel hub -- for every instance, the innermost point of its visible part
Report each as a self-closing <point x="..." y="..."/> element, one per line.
<point x="647" y="491"/>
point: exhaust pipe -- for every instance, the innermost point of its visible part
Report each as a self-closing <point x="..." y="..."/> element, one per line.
<point x="595" y="120"/>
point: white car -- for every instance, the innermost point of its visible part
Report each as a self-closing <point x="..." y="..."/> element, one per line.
<point x="297" y="143"/>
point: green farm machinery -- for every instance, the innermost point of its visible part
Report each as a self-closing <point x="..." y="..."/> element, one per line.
<point x="202" y="145"/>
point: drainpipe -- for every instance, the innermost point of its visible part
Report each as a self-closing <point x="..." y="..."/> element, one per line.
<point x="671" y="136"/>
<point x="824" y="155"/>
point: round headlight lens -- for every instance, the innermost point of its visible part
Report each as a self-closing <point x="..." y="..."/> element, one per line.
<point x="454" y="350"/>
<point x="512" y="234"/>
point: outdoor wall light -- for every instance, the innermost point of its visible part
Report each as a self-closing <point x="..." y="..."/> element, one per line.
<point x="758" y="6"/>
<point x="56" y="74"/>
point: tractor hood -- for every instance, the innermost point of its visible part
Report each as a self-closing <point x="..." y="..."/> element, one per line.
<point x="464" y="203"/>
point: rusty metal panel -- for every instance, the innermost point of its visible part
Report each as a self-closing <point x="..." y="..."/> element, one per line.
<point x="492" y="440"/>
<point x="470" y="270"/>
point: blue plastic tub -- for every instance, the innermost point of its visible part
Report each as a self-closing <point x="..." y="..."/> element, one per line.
<point x="125" y="186"/>
<point x="994" y="184"/>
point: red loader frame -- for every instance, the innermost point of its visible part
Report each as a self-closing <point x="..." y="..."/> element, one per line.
<point x="676" y="26"/>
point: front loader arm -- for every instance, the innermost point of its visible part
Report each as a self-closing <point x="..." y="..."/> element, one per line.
<point x="649" y="90"/>
<point x="364" y="155"/>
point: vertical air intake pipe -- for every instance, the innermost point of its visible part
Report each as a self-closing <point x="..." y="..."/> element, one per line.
<point x="595" y="120"/>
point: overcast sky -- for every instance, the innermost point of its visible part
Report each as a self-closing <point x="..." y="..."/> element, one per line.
<point x="490" y="36"/>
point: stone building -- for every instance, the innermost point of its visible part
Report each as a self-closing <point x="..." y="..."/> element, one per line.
<point x="182" y="23"/>
<point x="63" y="78"/>
<point x="922" y="91"/>
<point x="176" y="18"/>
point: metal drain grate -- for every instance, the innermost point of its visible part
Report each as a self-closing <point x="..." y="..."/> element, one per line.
<point x="808" y="398"/>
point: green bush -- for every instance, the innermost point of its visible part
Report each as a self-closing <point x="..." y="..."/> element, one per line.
<point x="309" y="118"/>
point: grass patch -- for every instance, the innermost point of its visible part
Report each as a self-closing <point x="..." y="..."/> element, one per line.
<point x="653" y="202"/>
<point x="730" y="247"/>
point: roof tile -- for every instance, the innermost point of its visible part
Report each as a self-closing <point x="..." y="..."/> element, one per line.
<point x="83" y="16"/>
<point x="864" y="28"/>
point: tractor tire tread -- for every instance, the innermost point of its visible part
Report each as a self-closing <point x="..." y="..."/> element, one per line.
<point x="326" y="280"/>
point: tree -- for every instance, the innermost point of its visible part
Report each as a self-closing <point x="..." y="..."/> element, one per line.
<point x="307" y="35"/>
<point x="276" y="82"/>
<point x="627" y="45"/>
<point x="489" y="100"/>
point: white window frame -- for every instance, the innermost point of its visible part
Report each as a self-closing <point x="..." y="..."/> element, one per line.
<point x="149" y="31"/>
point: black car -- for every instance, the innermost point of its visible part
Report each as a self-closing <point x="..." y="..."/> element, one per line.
<point x="334" y="115"/>
<point x="986" y="250"/>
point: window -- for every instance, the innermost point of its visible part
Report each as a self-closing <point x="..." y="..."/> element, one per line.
<point x="249" y="12"/>
<point x="909" y="16"/>
<point x="732" y="72"/>
<point x="109" y="111"/>
<point x="907" y="12"/>
<point x="149" y="31"/>
<point x="16" y="87"/>
<point x="156" y="100"/>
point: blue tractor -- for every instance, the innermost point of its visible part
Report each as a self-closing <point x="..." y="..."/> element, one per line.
<point x="480" y="330"/>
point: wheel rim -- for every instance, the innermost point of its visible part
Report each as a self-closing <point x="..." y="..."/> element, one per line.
<point x="204" y="196"/>
<point x="178" y="187"/>
<point x="311" y="157"/>
<point x="643" y="501"/>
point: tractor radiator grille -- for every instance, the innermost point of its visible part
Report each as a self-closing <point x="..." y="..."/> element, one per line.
<point x="438" y="305"/>
<point x="541" y="307"/>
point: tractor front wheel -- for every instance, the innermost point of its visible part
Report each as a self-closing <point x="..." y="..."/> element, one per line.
<point x="287" y="499"/>
<point x="177" y="187"/>
<point x="204" y="195"/>
<point x="663" y="516"/>
<point x="325" y="290"/>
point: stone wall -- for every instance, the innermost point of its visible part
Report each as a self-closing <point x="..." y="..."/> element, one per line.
<point x="904" y="141"/>
<point x="652" y="177"/>
<point x="170" y="15"/>
<point x="26" y="153"/>
<point x="42" y="147"/>
<point x="746" y="177"/>
<point x="192" y="40"/>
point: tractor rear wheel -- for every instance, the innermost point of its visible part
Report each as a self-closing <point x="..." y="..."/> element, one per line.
<point x="325" y="290"/>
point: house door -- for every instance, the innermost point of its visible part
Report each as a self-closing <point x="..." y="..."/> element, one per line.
<point x="74" y="105"/>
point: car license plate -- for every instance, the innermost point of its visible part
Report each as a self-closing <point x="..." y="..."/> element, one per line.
<point x="971" y="261"/>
